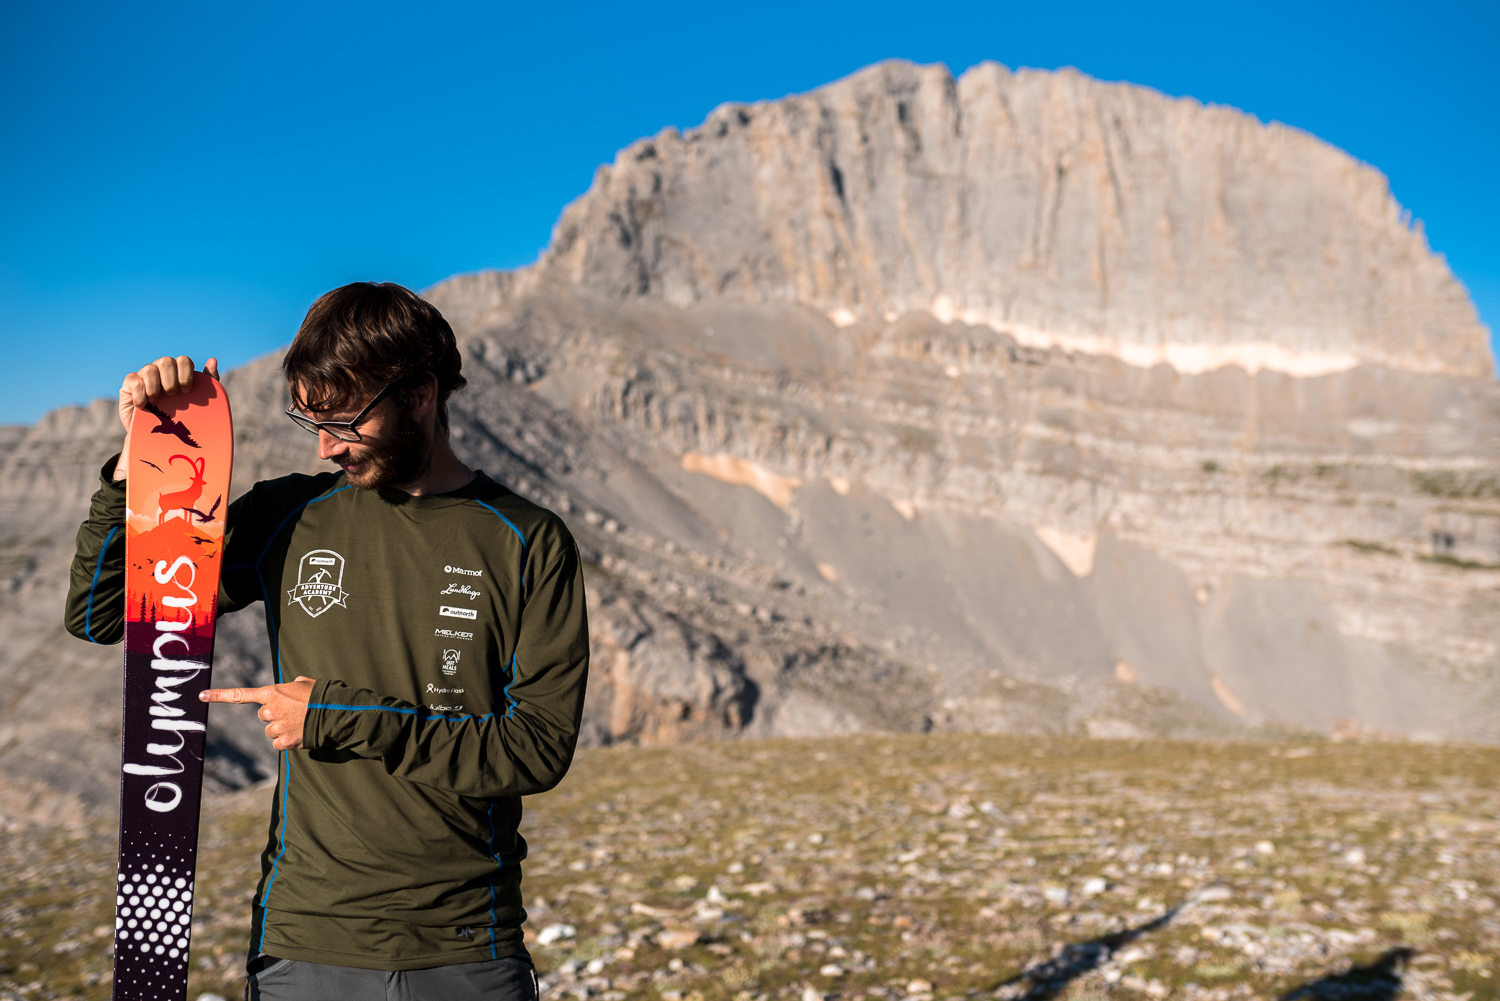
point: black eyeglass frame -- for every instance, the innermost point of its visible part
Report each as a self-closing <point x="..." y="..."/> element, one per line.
<point x="342" y="430"/>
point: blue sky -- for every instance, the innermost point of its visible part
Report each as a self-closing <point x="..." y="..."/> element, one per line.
<point x="188" y="178"/>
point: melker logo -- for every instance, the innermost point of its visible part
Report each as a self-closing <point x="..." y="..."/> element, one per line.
<point x="319" y="579"/>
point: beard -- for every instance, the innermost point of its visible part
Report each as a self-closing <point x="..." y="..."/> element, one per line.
<point x="398" y="457"/>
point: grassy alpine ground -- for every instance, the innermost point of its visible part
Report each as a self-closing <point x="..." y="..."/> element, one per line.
<point x="914" y="867"/>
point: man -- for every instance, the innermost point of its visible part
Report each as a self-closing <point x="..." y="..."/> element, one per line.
<point x="437" y="682"/>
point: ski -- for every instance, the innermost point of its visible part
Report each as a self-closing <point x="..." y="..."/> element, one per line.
<point x="176" y="496"/>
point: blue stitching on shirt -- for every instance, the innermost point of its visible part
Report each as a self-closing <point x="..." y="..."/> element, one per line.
<point x="275" y="629"/>
<point x="286" y="784"/>
<point x="88" y="611"/>
<point x="503" y="518"/>
<point x="510" y="709"/>
<point x="418" y="711"/>
<point x="290" y="515"/>
<point x="524" y="544"/>
<point x="499" y="865"/>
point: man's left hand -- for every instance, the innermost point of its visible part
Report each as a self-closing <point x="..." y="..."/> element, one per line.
<point x="283" y="707"/>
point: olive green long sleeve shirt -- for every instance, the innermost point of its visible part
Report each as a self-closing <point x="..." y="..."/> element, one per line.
<point x="450" y="643"/>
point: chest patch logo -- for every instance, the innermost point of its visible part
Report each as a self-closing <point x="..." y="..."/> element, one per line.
<point x="453" y="611"/>
<point x="450" y="664"/>
<point x="320" y="578"/>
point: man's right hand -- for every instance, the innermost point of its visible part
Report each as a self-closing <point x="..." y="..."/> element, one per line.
<point x="163" y="377"/>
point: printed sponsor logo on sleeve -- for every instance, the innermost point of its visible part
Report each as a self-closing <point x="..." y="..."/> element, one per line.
<point x="454" y="612"/>
<point x="451" y="634"/>
<point x="461" y="570"/>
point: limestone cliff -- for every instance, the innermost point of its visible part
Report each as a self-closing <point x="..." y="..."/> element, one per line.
<point x="1050" y="206"/>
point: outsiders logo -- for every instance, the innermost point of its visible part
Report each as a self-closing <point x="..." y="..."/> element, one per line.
<point x="450" y="663"/>
<point x="319" y="579"/>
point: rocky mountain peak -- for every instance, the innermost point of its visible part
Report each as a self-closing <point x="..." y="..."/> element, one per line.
<point x="1061" y="210"/>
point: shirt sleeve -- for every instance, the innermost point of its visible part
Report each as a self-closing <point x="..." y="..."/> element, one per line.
<point x="95" y="609"/>
<point x="524" y="747"/>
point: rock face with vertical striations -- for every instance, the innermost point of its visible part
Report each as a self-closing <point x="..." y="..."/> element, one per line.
<point x="1100" y="217"/>
<point x="1017" y="402"/>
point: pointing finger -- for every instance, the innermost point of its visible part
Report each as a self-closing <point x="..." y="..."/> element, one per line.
<point x="236" y="695"/>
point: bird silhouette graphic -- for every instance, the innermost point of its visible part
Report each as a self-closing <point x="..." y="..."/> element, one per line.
<point x="204" y="519"/>
<point x="169" y="426"/>
<point x="153" y="465"/>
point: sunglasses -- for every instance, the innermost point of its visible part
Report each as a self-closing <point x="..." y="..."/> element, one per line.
<point x="342" y="430"/>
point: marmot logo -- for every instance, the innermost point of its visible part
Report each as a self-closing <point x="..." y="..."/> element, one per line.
<point x="467" y="573"/>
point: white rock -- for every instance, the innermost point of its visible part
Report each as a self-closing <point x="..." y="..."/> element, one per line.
<point x="677" y="938"/>
<point x="555" y="933"/>
<point x="1095" y="886"/>
<point x="831" y="970"/>
<point x="1355" y="856"/>
<point x="1265" y="848"/>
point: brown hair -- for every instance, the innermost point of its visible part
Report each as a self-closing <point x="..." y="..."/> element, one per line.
<point x="364" y="336"/>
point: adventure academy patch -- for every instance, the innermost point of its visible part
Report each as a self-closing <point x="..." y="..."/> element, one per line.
<point x="320" y="576"/>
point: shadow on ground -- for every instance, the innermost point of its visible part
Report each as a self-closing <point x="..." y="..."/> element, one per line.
<point x="1379" y="981"/>
<point x="1050" y="978"/>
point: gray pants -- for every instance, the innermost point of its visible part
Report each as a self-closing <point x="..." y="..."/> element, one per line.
<point x="510" y="979"/>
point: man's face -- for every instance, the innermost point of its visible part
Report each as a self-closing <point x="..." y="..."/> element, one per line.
<point x="394" y="448"/>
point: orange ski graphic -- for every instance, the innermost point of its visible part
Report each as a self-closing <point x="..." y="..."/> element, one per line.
<point x="176" y="497"/>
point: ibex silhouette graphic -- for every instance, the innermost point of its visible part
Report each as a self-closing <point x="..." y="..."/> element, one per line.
<point x="184" y="499"/>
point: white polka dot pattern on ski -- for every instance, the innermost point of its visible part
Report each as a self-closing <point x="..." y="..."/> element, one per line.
<point x="153" y="920"/>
